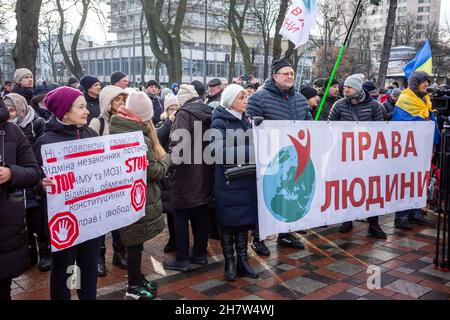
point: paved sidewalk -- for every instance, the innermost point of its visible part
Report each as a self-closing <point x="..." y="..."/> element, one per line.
<point x="333" y="266"/>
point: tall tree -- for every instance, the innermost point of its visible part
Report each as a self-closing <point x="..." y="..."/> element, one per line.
<point x="265" y="12"/>
<point x="237" y="24"/>
<point x="47" y="36"/>
<point x="387" y="43"/>
<point x="26" y="47"/>
<point x="72" y="61"/>
<point x="276" y="52"/>
<point x="162" y="36"/>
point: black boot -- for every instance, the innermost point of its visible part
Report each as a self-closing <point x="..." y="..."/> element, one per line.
<point x="170" y="246"/>
<point x="226" y="240"/>
<point x="243" y="267"/>
<point x="120" y="257"/>
<point x="101" y="268"/>
<point x="376" y="231"/>
<point x="32" y="251"/>
<point x="346" y="227"/>
<point x="45" y="257"/>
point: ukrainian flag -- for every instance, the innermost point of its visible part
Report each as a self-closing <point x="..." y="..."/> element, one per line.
<point x="422" y="62"/>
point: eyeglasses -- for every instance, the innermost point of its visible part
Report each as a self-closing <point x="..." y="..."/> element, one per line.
<point x="286" y="74"/>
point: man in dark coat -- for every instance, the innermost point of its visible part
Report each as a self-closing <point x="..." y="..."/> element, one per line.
<point x="18" y="169"/>
<point x="214" y="93"/>
<point x="91" y="86"/>
<point x="332" y="97"/>
<point x="358" y="106"/>
<point x="278" y="100"/>
<point x="153" y="88"/>
<point x="191" y="182"/>
<point x="389" y="105"/>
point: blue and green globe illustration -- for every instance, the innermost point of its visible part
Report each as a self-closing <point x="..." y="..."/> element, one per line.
<point x="288" y="198"/>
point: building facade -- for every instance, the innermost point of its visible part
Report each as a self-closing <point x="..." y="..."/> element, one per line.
<point x="125" y="54"/>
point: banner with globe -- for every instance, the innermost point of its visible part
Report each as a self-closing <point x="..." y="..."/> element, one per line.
<point x="316" y="173"/>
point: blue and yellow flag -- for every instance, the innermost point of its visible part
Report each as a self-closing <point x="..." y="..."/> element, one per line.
<point x="422" y="62"/>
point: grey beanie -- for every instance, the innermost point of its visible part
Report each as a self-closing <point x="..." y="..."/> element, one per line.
<point x="355" y="81"/>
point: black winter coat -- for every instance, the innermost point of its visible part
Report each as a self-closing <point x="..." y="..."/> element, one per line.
<point x="158" y="108"/>
<point x="190" y="184"/>
<point x="367" y="110"/>
<point x="236" y="202"/>
<point x="34" y="129"/>
<point x="93" y="105"/>
<point x="26" y="173"/>
<point x="389" y="106"/>
<point x="272" y="103"/>
<point x="163" y="132"/>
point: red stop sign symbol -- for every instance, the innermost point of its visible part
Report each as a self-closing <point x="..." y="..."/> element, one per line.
<point x="63" y="230"/>
<point x="138" y="195"/>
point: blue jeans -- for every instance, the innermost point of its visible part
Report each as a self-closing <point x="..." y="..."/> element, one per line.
<point x="86" y="256"/>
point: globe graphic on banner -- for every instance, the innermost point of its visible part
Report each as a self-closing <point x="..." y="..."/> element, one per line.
<point x="287" y="188"/>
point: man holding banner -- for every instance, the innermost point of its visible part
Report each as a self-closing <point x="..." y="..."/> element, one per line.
<point x="357" y="105"/>
<point x="278" y="100"/>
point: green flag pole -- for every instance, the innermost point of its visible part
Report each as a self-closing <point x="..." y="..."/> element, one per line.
<point x="338" y="61"/>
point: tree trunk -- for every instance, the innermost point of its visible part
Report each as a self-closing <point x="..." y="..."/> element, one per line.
<point x="72" y="62"/>
<point x="170" y="39"/>
<point x="238" y="34"/>
<point x="231" y="65"/>
<point x="143" y="62"/>
<point x="266" y="57"/>
<point x="26" y="47"/>
<point x="276" y="53"/>
<point x="387" y="43"/>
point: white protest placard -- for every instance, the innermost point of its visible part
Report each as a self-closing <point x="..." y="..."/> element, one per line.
<point x="315" y="173"/>
<point x="99" y="186"/>
<point x="300" y="19"/>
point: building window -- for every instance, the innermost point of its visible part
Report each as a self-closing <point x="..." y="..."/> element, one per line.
<point x="424" y="1"/>
<point x="423" y="9"/>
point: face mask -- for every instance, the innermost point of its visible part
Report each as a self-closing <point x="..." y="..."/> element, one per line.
<point x="355" y="96"/>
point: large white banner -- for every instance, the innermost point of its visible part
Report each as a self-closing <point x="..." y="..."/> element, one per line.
<point x="312" y="174"/>
<point x="99" y="186"/>
<point x="300" y="19"/>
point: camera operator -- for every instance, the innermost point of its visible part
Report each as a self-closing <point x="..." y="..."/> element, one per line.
<point x="18" y="170"/>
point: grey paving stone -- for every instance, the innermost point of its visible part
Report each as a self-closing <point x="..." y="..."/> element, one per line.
<point x="360" y="242"/>
<point x="408" y="288"/>
<point x="374" y="296"/>
<point x="300" y="254"/>
<point x="405" y="270"/>
<point x="380" y="255"/>
<point x="410" y="243"/>
<point x="358" y="291"/>
<point x="344" y="296"/>
<point x="437" y="273"/>
<point x="285" y="267"/>
<point x="426" y="259"/>
<point x="207" y="285"/>
<point x="435" y="295"/>
<point x="251" y="297"/>
<point x="346" y="268"/>
<point x="429" y="232"/>
<point x="304" y="285"/>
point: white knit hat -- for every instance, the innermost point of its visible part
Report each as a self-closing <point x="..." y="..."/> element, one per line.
<point x="186" y="93"/>
<point x="20" y="73"/>
<point x="355" y="81"/>
<point x="229" y="95"/>
<point x="170" y="100"/>
<point x="107" y="95"/>
<point x="140" y="104"/>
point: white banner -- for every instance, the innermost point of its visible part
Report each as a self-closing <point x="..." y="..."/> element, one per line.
<point x="99" y="186"/>
<point x="315" y="173"/>
<point x="300" y="19"/>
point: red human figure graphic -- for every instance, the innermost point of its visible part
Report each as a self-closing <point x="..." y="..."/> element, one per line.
<point x="303" y="152"/>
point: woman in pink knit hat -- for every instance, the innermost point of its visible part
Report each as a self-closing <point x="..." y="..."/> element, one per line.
<point x="69" y="122"/>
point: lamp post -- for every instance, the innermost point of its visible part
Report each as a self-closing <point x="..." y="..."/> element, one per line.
<point x="205" y="48"/>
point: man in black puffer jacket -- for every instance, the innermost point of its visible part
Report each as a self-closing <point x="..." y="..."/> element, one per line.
<point x="18" y="170"/>
<point x="278" y="100"/>
<point x="358" y="106"/>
